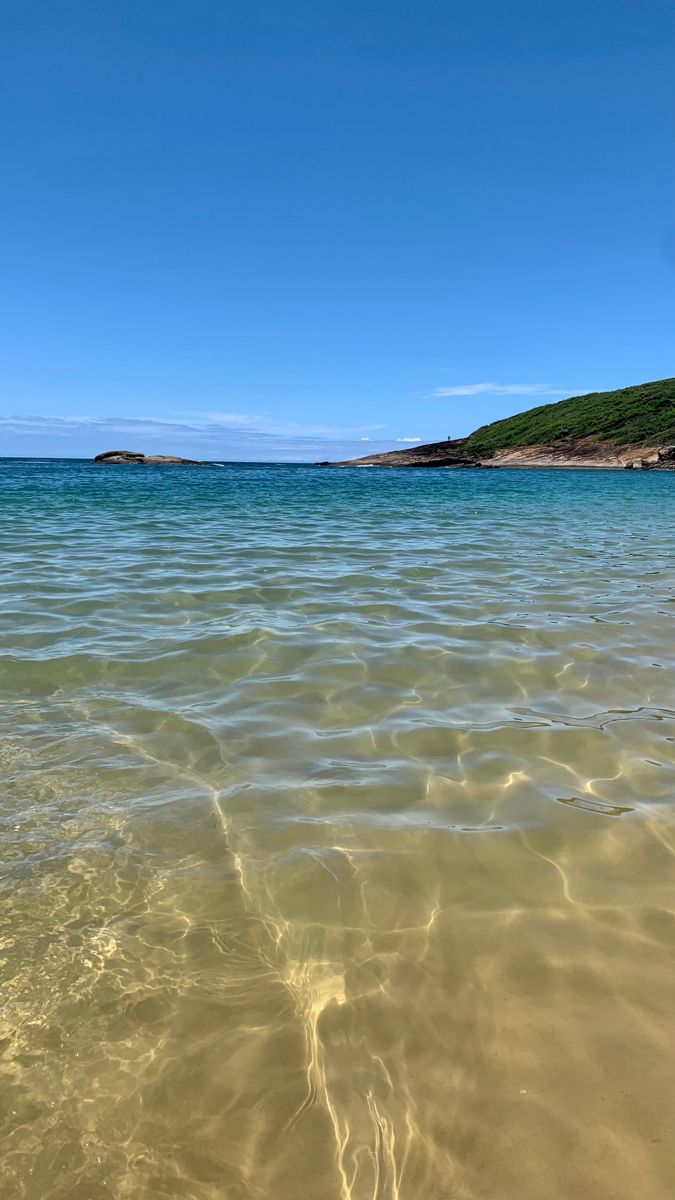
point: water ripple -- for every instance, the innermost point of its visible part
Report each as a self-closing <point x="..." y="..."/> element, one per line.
<point x="338" y="834"/>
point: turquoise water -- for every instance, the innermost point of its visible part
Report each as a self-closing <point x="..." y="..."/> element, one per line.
<point x="337" y="832"/>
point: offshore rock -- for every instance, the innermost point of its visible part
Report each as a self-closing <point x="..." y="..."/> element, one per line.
<point x="120" y="456"/>
<point x="134" y="457"/>
<point x="172" y="460"/>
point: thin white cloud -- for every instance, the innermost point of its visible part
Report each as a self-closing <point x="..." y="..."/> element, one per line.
<point x="503" y="389"/>
<point x="197" y="425"/>
<point x="409" y="439"/>
<point x="205" y="435"/>
<point x="263" y="423"/>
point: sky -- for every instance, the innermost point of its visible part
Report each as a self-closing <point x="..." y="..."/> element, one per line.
<point x="295" y="231"/>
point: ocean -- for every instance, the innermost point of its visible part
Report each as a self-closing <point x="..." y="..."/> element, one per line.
<point x="337" y="827"/>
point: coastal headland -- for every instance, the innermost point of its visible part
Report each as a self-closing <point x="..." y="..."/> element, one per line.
<point x="629" y="429"/>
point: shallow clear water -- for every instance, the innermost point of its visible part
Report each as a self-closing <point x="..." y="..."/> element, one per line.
<point x="337" y="834"/>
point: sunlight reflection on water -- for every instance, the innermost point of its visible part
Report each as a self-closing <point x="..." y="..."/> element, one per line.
<point x="251" y="944"/>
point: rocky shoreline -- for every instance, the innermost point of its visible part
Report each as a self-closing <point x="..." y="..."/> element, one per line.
<point x="565" y="454"/>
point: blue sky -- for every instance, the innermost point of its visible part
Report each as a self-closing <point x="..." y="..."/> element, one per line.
<point x="304" y="230"/>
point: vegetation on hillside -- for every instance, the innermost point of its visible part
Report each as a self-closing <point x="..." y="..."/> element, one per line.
<point x="642" y="415"/>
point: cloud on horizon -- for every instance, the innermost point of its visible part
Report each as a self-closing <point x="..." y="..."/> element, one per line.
<point x="503" y="389"/>
<point x="216" y="434"/>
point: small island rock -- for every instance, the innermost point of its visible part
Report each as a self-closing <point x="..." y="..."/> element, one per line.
<point x="134" y="457"/>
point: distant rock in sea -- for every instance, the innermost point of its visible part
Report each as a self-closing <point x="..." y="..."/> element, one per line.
<point x="144" y="460"/>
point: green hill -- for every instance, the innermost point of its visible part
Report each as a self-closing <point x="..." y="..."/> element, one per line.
<point x="642" y="415"/>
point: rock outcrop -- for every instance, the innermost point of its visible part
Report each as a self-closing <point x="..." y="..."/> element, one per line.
<point x="631" y="427"/>
<point x="564" y="453"/>
<point x="435" y="454"/>
<point x="663" y="458"/>
<point x="133" y="457"/>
